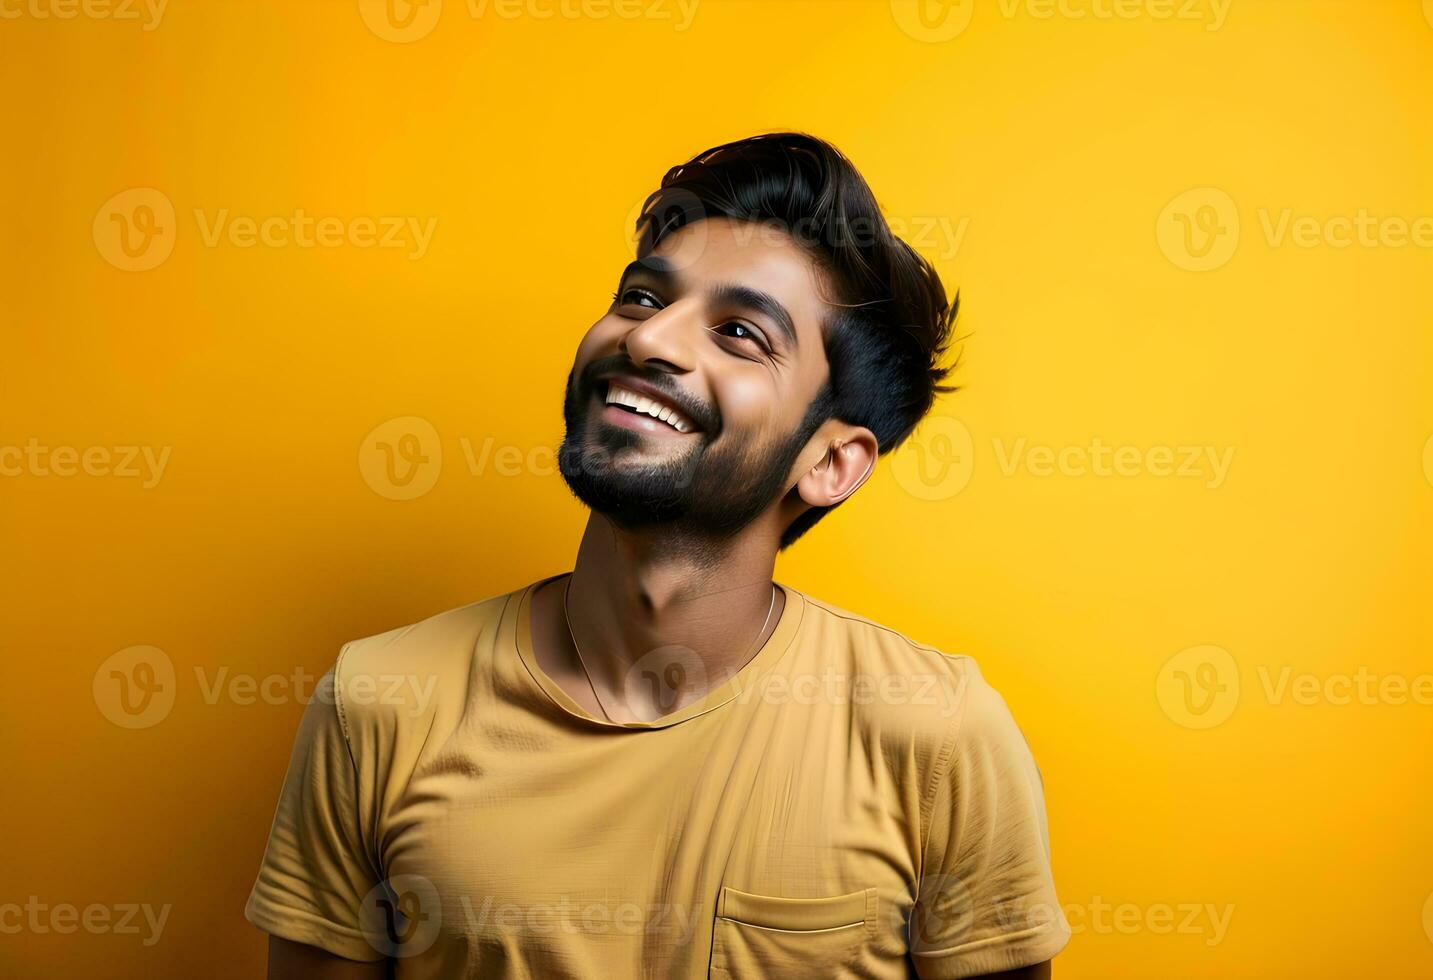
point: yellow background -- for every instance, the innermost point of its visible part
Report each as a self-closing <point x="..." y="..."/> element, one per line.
<point x="1055" y="142"/>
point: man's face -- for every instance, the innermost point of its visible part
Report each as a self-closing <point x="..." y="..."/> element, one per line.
<point x="721" y="322"/>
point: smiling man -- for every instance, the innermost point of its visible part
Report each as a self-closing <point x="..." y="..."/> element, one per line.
<point x="663" y="763"/>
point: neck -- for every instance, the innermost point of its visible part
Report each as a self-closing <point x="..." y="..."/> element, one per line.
<point x="635" y="592"/>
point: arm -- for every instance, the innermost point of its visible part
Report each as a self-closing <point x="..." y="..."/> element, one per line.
<point x="318" y="866"/>
<point x="289" y="960"/>
<point x="985" y="904"/>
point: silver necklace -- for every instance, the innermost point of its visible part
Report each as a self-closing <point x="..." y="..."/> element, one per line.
<point x="567" y="618"/>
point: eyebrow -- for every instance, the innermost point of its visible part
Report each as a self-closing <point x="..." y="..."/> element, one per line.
<point x="736" y="294"/>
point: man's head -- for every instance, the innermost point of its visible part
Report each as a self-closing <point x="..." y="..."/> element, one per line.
<point x="795" y="336"/>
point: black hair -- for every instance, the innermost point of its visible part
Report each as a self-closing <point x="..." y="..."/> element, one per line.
<point x="893" y="325"/>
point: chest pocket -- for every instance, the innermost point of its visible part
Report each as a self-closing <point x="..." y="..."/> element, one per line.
<point x="758" y="936"/>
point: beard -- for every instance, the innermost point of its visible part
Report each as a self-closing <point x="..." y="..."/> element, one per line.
<point x="708" y="488"/>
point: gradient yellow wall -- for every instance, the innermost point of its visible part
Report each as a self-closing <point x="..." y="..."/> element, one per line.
<point x="1180" y="512"/>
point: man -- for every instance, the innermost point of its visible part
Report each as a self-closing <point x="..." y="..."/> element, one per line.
<point x="664" y="764"/>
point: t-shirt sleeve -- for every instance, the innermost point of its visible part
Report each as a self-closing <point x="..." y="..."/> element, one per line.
<point x="986" y="900"/>
<point x="317" y="868"/>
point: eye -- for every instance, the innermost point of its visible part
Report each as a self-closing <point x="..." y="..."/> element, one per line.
<point x="634" y="296"/>
<point x="740" y="331"/>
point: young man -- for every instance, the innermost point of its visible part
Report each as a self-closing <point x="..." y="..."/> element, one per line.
<point x="664" y="764"/>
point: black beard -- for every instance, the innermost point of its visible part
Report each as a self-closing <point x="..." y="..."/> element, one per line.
<point x="710" y="492"/>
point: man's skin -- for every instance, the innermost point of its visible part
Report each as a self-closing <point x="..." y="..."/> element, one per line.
<point x="640" y="589"/>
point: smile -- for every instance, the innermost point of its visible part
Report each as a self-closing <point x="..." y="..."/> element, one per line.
<point x="630" y="401"/>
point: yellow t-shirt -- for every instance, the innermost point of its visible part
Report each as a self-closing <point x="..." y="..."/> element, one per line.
<point x="847" y="804"/>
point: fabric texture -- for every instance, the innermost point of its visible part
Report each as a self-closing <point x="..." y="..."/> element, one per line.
<point x="849" y="804"/>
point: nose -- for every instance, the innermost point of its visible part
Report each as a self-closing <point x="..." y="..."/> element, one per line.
<point x="663" y="341"/>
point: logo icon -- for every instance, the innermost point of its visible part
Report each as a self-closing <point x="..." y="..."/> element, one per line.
<point x="400" y="21"/>
<point x="1428" y="460"/>
<point x="401" y="917"/>
<point x="661" y="677"/>
<point x="135" y="687"/>
<point x="932" y="21"/>
<point x="401" y="458"/>
<point x="937" y="461"/>
<point x="677" y="208"/>
<point x="1199" y="230"/>
<point x="941" y="912"/>
<point x="1199" y="687"/>
<point x="135" y="229"/>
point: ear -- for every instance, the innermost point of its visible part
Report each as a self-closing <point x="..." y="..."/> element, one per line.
<point x="849" y="458"/>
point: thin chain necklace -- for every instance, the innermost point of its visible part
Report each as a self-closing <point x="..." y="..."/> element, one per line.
<point x="567" y="617"/>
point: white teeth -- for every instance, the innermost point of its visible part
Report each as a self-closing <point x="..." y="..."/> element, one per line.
<point x="618" y="395"/>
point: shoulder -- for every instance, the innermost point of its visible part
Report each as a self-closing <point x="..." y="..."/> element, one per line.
<point x="933" y="695"/>
<point x="912" y="691"/>
<point x="905" y="672"/>
<point x="404" y="673"/>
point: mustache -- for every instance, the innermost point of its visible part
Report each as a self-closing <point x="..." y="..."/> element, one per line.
<point x="705" y="416"/>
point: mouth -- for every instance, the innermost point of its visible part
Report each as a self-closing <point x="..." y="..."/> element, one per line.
<point x="642" y="412"/>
